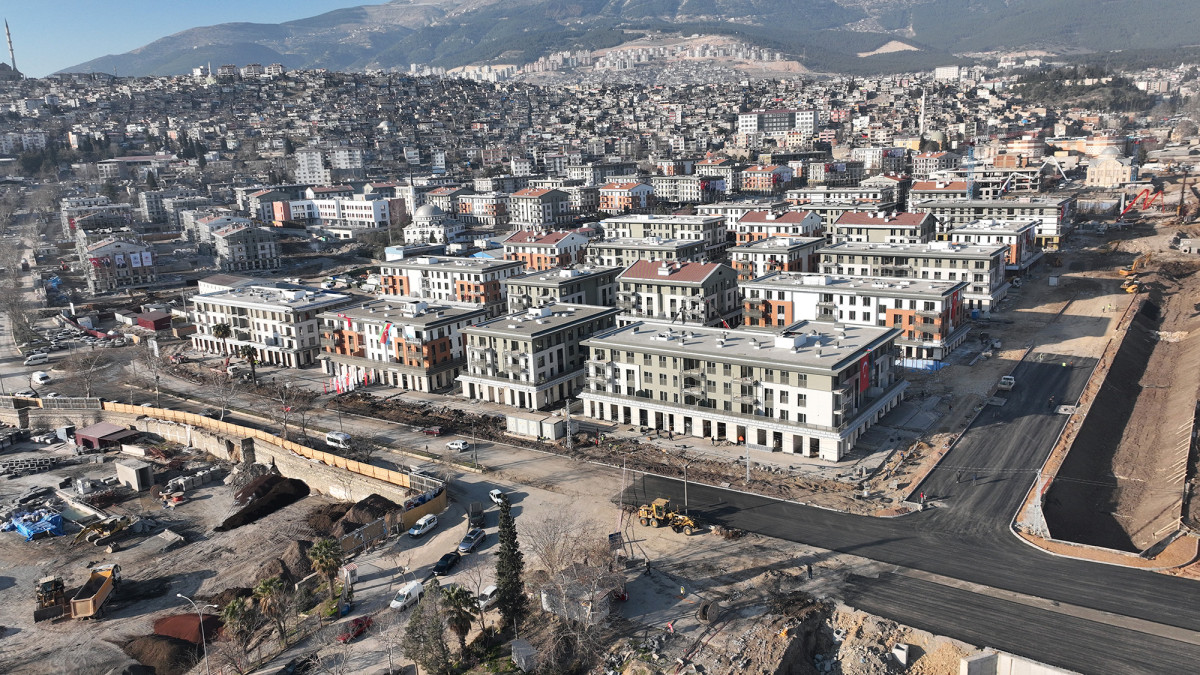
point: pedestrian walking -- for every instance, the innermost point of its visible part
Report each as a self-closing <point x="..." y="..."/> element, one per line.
<point x="809" y="566"/>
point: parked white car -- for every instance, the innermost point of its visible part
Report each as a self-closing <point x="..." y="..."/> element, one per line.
<point x="459" y="446"/>
<point x="422" y="526"/>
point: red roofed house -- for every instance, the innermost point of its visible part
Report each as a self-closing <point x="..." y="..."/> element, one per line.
<point x="923" y="190"/>
<point x="698" y="294"/>
<point x="539" y="208"/>
<point x="766" y="179"/>
<point x="545" y="250"/>
<point x="881" y="227"/>
<point x="626" y="197"/>
<point x="928" y="162"/>
<point x="757" y="225"/>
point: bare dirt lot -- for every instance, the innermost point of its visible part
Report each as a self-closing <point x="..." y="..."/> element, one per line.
<point x="1124" y="482"/>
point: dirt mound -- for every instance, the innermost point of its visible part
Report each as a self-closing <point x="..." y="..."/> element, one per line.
<point x="187" y="627"/>
<point x="228" y="595"/>
<point x="166" y="655"/>
<point x="291" y="567"/>
<point x="323" y="517"/>
<point x="283" y="491"/>
<point x="256" y="488"/>
<point x="1179" y="269"/>
<point x="370" y="509"/>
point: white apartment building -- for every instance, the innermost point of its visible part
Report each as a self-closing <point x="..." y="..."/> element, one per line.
<point x="538" y="208"/>
<point x="478" y="281"/>
<point x="533" y="359"/>
<point x="280" y="321"/>
<point x="982" y="267"/>
<point x="812" y="389"/>
<point x="778" y="122"/>
<point x="757" y="225"/>
<point x="776" y="254"/>
<point x="882" y="227"/>
<point x="1018" y="236"/>
<point x="625" y="252"/>
<point x="930" y="315"/>
<point x="310" y="166"/>
<point x="244" y="247"/>
<point x="707" y="229"/>
<point x="340" y="218"/>
<point x="1053" y="217"/>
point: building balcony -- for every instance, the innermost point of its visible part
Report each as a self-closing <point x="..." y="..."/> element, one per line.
<point x="698" y="391"/>
<point x="931" y="313"/>
<point x="745" y="381"/>
<point x="754" y="313"/>
<point x="827" y="304"/>
<point x="698" y="371"/>
<point x="745" y="398"/>
<point x="328" y="342"/>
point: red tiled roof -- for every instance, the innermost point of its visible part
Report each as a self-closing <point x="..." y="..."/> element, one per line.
<point x="763" y="168"/>
<point x="687" y="272"/>
<point x="952" y="186"/>
<point x="621" y="186"/>
<point x="540" y="238"/>
<point x="532" y="192"/>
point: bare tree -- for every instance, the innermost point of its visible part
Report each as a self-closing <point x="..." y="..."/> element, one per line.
<point x="222" y="390"/>
<point x="148" y="368"/>
<point x="285" y="405"/>
<point x="363" y="448"/>
<point x="88" y="368"/>
<point x="389" y="633"/>
<point x="474" y="574"/>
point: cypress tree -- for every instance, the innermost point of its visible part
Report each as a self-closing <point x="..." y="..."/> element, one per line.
<point x="510" y="568"/>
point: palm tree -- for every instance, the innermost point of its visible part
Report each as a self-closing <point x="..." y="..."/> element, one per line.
<point x="461" y="608"/>
<point x="326" y="558"/>
<point x="269" y="594"/>
<point x="222" y="331"/>
<point x="247" y="352"/>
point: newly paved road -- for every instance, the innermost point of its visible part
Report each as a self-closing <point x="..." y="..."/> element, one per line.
<point x="967" y="538"/>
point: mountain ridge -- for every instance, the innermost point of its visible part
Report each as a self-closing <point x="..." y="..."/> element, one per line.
<point x="829" y="33"/>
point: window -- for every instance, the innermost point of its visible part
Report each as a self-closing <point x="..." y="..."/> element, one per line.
<point x="783" y="396"/>
<point x="802" y="400"/>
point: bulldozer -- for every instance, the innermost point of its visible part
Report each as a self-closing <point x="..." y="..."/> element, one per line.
<point x="1131" y="286"/>
<point x="51" y="599"/>
<point x="104" y="532"/>
<point x="659" y="512"/>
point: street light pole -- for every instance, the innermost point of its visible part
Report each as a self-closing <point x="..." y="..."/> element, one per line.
<point x="202" y="640"/>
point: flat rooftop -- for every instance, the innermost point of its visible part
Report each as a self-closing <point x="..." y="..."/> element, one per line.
<point x="810" y="345"/>
<point x="557" y="277"/>
<point x="538" y="320"/>
<point x="439" y="262"/>
<point x="410" y="312"/>
<point x="646" y="243"/>
<point x="281" y="294"/>
<point x="655" y="218"/>
<point x="843" y="284"/>
<point x="772" y="244"/>
<point x="933" y="248"/>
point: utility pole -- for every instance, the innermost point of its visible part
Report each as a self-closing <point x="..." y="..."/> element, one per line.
<point x="570" y="431"/>
<point x="1182" y="192"/>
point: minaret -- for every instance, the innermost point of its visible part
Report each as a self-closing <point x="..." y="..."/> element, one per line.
<point x="12" y="56"/>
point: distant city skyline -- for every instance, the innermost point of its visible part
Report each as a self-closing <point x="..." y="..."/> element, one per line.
<point x="50" y="35"/>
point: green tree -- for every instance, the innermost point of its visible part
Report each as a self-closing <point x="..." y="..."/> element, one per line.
<point x="510" y="569"/>
<point x="240" y="622"/>
<point x="271" y="596"/>
<point x="461" y="609"/>
<point x="327" y="558"/>
<point x="425" y="636"/>
<point x="248" y="352"/>
<point x="151" y="181"/>
<point x="288" y="147"/>
<point x="223" y="331"/>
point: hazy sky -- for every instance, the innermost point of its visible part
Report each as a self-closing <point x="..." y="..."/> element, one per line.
<point x="49" y="35"/>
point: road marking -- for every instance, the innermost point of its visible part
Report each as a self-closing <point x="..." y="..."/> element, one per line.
<point x="1095" y="615"/>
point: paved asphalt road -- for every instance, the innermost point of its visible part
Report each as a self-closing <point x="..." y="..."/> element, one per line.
<point x="968" y="538"/>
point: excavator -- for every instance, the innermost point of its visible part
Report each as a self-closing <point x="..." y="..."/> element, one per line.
<point x="1138" y="264"/>
<point x="104" y="532"/>
<point x="659" y="512"/>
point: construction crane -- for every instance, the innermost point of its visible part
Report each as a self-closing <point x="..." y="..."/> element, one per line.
<point x="1148" y="200"/>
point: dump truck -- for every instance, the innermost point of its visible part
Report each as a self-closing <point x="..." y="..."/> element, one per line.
<point x="51" y="599"/>
<point x="88" y="603"/>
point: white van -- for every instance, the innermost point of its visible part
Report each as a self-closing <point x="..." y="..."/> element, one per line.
<point x="39" y="377"/>
<point x="36" y="359"/>
<point x="337" y="439"/>
<point x="408" y="595"/>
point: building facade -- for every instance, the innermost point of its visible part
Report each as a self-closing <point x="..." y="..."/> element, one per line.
<point x="241" y="248"/>
<point x="699" y="294"/>
<point x="776" y="254"/>
<point x="477" y="281"/>
<point x="545" y="250"/>
<point x="578" y="285"/>
<point x="982" y="267"/>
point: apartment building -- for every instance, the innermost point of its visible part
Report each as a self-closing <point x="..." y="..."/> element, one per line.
<point x="338" y="217"/>
<point x="926" y="163"/>
<point x="545" y="250"/>
<point x="151" y="207"/>
<point x="75" y="208"/>
<point x="697" y="294"/>
<point x="625" y="196"/>
<point x="834" y="174"/>
<point x="878" y="159"/>
<point x="982" y="267"/>
<point x="778" y="122"/>
<point x="722" y="169"/>
<point x="686" y="188"/>
<point x="776" y="254"/>
<point x="242" y="247"/>
<point x="766" y="179"/>
<point x="478" y="281"/>
<point x="930" y="315"/>
<point x="1018" y="236"/>
<point x="625" y="252"/>
<point x="1054" y="217"/>
<point x="113" y="264"/>
<point x="309" y="166"/>
<point x="812" y="389"/>
<point x="538" y="208"/>
<point x="578" y="285"/>
<point x="447" y="198"/>
<point x="756" y="225"/>
<point x="411" y="344"/>
<point x="532" y="359"/>
<point x="278" y="320"/>
<point x="938" y="190"/>
<point x="882" y="227"/>
<point x="822" y="194"/>
<point x="710" y="230"/>
<point x="486" y="210"/>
